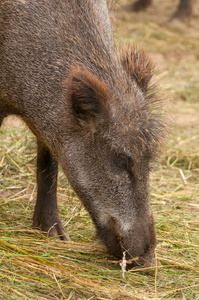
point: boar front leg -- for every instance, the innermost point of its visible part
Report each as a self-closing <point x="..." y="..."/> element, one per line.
<point x="46" y="215"/>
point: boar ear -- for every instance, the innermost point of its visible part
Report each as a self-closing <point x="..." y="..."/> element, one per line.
<point x="87" y="96"/>
<point x="138" y="66"/>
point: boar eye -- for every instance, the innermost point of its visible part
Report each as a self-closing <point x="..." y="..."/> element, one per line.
<point x="123" y="161"/>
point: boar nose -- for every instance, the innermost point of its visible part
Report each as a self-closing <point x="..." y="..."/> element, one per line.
<point x="140" y="240"/>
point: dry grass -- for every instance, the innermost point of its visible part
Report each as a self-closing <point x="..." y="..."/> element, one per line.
<point x="34" y="267"/>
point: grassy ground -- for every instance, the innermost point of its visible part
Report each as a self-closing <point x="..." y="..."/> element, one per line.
<point x="34" y="267"/>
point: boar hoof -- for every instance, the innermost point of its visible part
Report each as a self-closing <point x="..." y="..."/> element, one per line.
<point x="50" y="225"/>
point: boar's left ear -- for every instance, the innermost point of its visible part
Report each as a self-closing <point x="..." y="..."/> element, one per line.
<point x="87" y="96"/>
<point x="138" y="66"/>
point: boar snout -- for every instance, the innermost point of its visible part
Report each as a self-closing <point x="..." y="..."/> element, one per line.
<point x="138" y="240"/>
<point x="140" y="243"/>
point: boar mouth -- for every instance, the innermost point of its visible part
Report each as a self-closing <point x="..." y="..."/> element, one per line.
<point x="143" y="262"/>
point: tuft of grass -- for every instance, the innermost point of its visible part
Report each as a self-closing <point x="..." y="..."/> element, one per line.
<point x="35" y="267"/>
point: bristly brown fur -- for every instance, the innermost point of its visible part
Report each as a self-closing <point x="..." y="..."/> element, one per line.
<point x="138" y="65"/>
<point x="140" y="68"/>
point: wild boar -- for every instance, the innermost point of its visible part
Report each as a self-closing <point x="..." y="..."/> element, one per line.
<point x="91" y="109"/>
